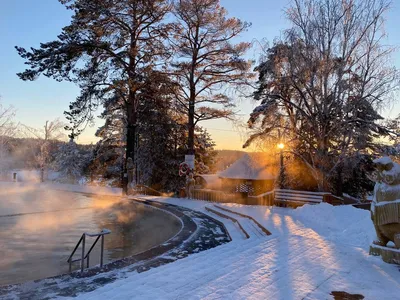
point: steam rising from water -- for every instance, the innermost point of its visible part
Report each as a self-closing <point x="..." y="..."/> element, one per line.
<point x="40" y="227"/>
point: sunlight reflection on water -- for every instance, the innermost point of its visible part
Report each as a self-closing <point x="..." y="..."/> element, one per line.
<point x="39" y="229"/>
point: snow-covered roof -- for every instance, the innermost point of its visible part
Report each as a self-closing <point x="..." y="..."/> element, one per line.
<point x="212" y="180"/>
<point x="249" y="167"/>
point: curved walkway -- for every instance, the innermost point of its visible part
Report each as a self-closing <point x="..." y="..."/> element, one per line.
<point x="295" y="264"/>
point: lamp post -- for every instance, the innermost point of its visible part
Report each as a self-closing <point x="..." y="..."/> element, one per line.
<point x="282" y="171"/>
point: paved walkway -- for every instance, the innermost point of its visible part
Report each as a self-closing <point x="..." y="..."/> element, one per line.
<point x="303" y="266"/>
<point x="293" y="263"/>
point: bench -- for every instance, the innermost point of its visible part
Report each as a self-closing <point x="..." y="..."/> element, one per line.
<point x="294" y="198"/>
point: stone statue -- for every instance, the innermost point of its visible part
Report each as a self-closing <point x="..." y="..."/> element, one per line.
<point x="385" y="209"/>
<point x="190" y="182"/>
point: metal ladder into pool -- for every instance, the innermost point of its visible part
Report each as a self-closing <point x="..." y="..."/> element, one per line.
<point x="82" y="240"/>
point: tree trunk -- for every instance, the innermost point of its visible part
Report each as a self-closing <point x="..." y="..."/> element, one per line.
<point x="282" y="175"/>
<point x="130" y="139"/>
<point x="191" y="129"/>
<point x="131" y="107"/>
<point x="41" y="174"/>
<point x="339" y="182"/>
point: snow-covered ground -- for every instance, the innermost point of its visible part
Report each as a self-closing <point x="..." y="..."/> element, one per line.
<point x="313" y="251"/>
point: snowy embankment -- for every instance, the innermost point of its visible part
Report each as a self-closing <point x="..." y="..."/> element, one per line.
<point x="342" y="224"/>
<point x="312" y="252"/>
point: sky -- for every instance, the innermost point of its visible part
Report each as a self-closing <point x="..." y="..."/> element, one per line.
<point x="27" y="23"/>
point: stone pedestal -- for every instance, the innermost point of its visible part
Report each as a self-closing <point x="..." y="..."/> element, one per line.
<point x="388" y="254"/>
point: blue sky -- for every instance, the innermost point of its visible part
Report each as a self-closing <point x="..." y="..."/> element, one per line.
<point x="27" y="23"/>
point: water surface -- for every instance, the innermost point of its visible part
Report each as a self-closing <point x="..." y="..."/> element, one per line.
<point x="40" y="228"/>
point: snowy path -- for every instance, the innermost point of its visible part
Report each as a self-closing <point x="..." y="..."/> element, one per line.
<point x="250" y="228"/>
<point x="294" y="263"/>
<point x="276" y="268"/>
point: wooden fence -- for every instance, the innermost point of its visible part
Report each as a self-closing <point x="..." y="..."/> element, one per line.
<point x="217" y="196"/>
<point x="222" y="197"/>
<point x="334" y="200"/>
<point x="263" y="199"/>
<point x="266" y="199"/>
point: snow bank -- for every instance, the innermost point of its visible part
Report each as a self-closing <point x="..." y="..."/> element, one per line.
<point x="343" y="224"/>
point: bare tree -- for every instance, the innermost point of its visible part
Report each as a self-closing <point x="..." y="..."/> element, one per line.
<point x="8" y="129"/>
<point x="324" y="83"/>
<point x="51" y="131"/>
<point x="7" y="124"/>
<point x="207" y="62"/>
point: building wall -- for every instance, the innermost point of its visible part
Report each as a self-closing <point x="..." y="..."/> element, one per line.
<point x="250" y="187"/>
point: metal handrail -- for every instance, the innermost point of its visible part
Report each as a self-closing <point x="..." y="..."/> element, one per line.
<point x="83" y="256"/>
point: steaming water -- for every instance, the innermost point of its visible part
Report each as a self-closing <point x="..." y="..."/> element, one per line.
<point x="39" y="229"/>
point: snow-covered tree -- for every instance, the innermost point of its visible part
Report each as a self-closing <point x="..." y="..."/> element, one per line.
<point x="47" y="136"/>
<point x="7" y="129"/>
<point x="109" y="152"/>
<point x="161" y="140"/>
<point x="155" y="156"/>
<point x="71" y="161"/>
<point x="323" y="84"/>
<point x="205" y="154"/>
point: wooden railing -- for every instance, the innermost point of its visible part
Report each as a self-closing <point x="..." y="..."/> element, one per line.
<point x="296" y="198"/>
<point x="293" y="198"/>
<point x="263" y="199"/>
<point x="334" y="200"/>
<point x="215" y="196"/>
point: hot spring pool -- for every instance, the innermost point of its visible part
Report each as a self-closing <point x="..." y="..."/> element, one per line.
<point x="40" y="228"/>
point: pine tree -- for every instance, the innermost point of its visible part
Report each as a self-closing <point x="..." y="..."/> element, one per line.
<point x="205" y="153"/>
<point x="108" y="159"/>
<point x="161" y="142"/>
<point x="208" y="64"/>
<point x="109" y="49"/>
